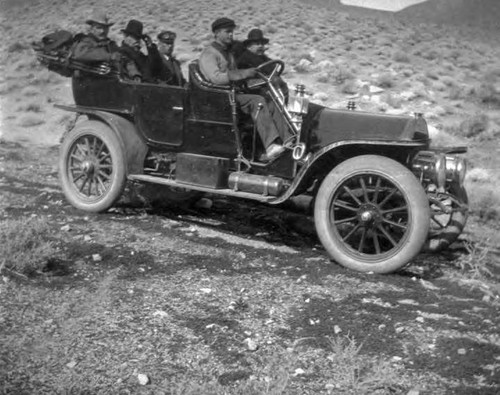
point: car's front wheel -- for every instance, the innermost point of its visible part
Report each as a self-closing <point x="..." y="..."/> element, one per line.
<point x="92" y="167"/>
<point x="372" y="214"/>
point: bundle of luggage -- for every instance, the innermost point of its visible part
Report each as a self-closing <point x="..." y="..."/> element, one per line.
<point x="54" y="51"/>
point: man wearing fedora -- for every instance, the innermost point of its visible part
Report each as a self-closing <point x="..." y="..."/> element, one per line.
<point x="135" y="64"/>
<point x="254" y="55"/>
<point x="218" y="65"/>
<point x="96" y="47"/>
<point x="255" y="48"/>
<point x="171" y="72"/>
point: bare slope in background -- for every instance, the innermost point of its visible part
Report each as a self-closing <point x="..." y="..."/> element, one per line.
<point x="483" y="14"/>
<point x="177" y="294"/>
<point x="476" y="14"/>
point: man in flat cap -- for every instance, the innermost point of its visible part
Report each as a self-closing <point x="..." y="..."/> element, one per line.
<point x="135" y="64"/>
<point x="96" y="47"/>
<point x="255" y="54"/>
<point x="218" y="65"/>
<point x="171" y="72"/>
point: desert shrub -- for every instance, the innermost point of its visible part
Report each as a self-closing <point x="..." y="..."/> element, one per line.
<point x="30" y="91"/>
<point x="448" y="81"/>
<point x="474" y="262"/>
<point x="340" y="74"/>
<point x="351" y="372"/>
<point x="271" y="29"/>
<point x="395" y="101"/>
<point x="401" y="56"/>
<point x="323" y="77"/>
<point x="473" y="65"/>
<point x="487" y="93"/>
<point x="303" y="66"/>
<point x="30" y="107"/>
<point x="484" y="204"/>
<point x="17" y="47"/>
<point x="25" y="246"/>
<point x="474" y="125"/>
<point x="386" y="80"/>
<point x="431" y="54"/>
<point x="29" y="120"/>
<point x="459" y="92"/>
<point x="432" y="74"/>
<point x="349" y="87"/>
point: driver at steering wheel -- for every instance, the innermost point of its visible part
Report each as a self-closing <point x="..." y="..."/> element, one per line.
<point x="218" y="66"/>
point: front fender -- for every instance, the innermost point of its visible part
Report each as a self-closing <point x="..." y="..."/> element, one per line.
<point x="319" y="164"/>
<point x="134" y="147"/>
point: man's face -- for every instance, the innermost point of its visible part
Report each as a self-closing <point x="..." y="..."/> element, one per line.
<point x="257" y="47"/>
<point x="99" y="31"/>
<point x="132" y="41"/>
<point x="224" y="36"/>
<point x="166" y="48"/>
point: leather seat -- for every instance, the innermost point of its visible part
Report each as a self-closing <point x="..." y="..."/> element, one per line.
<point x="196" y="77"/>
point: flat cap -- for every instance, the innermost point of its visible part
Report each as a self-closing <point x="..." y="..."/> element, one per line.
<point x="167" y="36"/>
<point x="223" y="23"/>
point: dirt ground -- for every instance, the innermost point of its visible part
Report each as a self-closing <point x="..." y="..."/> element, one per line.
<point x="226" y="291"/>
<point x="231" y="296"/>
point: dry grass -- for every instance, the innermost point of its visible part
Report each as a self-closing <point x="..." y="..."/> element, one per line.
<point x="25" y="245"/>
<point x="475" y="262"/>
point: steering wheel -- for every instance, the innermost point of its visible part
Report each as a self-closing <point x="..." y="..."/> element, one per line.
<point x="263" y="77"/>
<point x="277" y="65"/>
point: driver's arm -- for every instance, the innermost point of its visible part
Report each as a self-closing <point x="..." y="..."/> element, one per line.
<point x="217" y="70"/>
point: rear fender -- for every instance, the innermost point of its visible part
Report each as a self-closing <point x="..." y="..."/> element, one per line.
<point x="133" y="145"/>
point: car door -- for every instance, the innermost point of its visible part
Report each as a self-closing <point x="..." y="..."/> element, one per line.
<point x="159" y="113"/>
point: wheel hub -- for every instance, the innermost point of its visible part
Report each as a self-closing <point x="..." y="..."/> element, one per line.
<point x="88" y="167"/>
<point x="368" y="215"/>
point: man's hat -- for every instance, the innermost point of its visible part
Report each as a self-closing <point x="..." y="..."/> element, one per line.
<point x="167" y="36"/>
<point x="99" y="18"/>
<point x="255" y="35"/>
<point x="134" y="28"/>
<point x="223" y="23"/>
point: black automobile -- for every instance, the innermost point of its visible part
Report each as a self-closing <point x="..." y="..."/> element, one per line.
<point x="380" y="194"/>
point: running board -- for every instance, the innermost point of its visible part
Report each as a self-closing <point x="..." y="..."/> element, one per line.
<point x="176" y="184"/>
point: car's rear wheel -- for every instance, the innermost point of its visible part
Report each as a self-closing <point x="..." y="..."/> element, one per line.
<point x="372" y="214"/>
<point x="448" y="218"/>
<point x="92" y="167"/>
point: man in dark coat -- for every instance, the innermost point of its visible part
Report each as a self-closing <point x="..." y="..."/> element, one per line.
<point x="254" y="55"/>
<point x="96" y="47"/>
<point x="136" y="65"/>
<point x="171" y="72"/>
<point x="255" y="48"/>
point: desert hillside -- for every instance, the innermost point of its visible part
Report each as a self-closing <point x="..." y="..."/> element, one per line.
<point x="384" y="62"/>
<point x="229" y="296"/>
<point x="477" y="14"/>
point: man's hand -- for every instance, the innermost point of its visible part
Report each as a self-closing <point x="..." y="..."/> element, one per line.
<point x="147" y="40"/>
<point x="115" y="57"/>
<point x="249" y="73"/>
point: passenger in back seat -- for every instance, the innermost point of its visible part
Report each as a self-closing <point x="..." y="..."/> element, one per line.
<point x="96" y="47"/>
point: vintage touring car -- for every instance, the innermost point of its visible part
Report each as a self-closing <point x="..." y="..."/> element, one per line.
<point x="380" y="194"/>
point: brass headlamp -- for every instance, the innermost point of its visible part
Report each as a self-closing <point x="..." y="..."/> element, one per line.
<point x="439" y="168"/>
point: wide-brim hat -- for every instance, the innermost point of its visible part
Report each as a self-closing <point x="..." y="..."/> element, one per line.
<point x="133" y="28"/>
<point x="99" y="18"/>
<point x="223" y="23"/>
<point x="167" y="36"/>
<point x="255" y="35"/>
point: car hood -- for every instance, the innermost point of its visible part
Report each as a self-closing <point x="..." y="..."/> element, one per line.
<point x="324" y="126"/>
